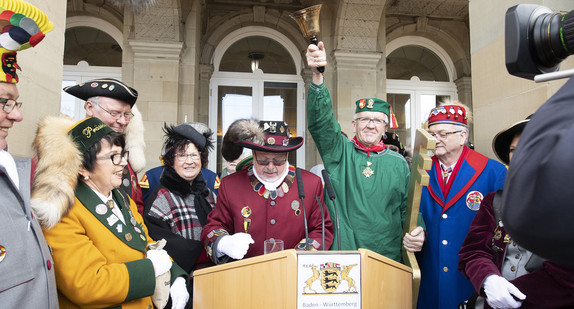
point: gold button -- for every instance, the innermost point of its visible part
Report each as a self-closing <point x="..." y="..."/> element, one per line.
<point x="445" y="269"/>
<point x="517" y="256"/>
<point x="513" y="268"/>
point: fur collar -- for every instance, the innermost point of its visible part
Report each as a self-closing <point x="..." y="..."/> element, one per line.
<point x="135" y="142"/>
<point x="56" y="177"/>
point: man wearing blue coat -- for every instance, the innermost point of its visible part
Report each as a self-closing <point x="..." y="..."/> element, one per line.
<point x="459" y="179"/>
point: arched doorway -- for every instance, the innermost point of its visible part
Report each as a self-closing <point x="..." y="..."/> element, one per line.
<point x="92" y="50"/>
<point x="420" y="75"/>
<point x="256" y="76"/>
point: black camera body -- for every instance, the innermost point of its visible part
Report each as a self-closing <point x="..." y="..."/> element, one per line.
<point x="537" y="39"/>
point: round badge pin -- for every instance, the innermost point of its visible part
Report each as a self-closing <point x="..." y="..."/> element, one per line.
<point x="112" y="87"/>
<point x="295" y="205"/>
<point x="101" y="209"/>
<point x="473" y="200"/>
<point x="246" y="211"/>
<point x="128" y="236"/>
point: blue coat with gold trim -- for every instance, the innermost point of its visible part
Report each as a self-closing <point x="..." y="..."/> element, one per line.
<point x="447" y="221"/>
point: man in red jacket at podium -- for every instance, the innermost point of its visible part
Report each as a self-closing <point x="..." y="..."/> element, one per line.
<point x="262" y="201"/>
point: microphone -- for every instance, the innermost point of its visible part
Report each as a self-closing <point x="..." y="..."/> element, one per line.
<point x="301" y="191"/>
<point x="318" y="199"/>
<point x="331" y="195"/>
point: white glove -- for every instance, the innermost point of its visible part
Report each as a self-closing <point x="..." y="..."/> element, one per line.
<point x="160" y="260"/>
<point x="235" y="246"/>
<point x="413" y="241"/>
<point x="499" y="293"/>
<point x="179" y="294"/>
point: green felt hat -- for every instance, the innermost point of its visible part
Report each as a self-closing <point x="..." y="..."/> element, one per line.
<point x="88" y="132"/>
<point x="372" y="105"/>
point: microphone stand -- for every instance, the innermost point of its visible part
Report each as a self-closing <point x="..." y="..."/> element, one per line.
<point x="301" y="190"/>
<point x="318" y="199"/>
<point x="331" y="194"/>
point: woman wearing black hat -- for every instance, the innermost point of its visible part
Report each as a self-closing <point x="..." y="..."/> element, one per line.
<point x="178" y="207"/>
<point x="98" y="239"/>
<point x="506" y="274"/>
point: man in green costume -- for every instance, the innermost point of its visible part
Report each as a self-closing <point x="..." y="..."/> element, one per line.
<point x="370" y="181"/>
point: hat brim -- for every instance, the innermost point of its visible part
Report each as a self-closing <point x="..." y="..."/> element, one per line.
<point x="502" y="140"/>
<point x="294" y="144"/>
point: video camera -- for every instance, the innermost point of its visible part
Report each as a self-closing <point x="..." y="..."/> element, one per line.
<point x="537" y="39"/>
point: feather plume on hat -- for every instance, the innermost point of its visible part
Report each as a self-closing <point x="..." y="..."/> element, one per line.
<point x="59" y="162"/>
<point x="241" y="130"/>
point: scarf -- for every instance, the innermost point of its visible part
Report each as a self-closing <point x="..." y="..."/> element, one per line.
<point x="380" y="146"/>
<point x="446" y="187"/>
<point x="172" y="181"/>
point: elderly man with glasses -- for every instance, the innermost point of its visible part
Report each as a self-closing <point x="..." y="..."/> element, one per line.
<point x="459" y="180"/>
<point x="261" y="201"/>
<point x="26" y="263"/>
<point x="370" y="181"/>
<point x="112" y="101"/>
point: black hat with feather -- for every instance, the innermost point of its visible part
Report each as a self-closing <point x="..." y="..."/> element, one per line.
<point x="267" y="136"/>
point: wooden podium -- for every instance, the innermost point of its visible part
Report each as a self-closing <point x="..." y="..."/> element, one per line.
<point x="273" y="281"/>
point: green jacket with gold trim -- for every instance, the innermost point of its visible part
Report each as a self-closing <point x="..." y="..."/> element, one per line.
<point x="98" y="263"/>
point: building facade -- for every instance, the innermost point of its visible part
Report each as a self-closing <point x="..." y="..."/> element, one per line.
<point x="214" y="61"/>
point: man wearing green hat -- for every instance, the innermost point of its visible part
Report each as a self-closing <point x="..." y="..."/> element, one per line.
<point x="370" y="181"/>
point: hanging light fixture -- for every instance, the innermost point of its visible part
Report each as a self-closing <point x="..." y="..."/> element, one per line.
<point x="255" y="59"/>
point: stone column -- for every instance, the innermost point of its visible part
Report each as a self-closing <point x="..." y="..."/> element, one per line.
<point x="464" y="90"/>
<point x="152" y="65"/>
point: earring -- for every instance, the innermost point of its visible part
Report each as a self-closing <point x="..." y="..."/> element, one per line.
<point x="86" y="177"/>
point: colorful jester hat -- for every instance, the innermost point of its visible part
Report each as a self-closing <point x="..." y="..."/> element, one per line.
<point x="22" y="26"/>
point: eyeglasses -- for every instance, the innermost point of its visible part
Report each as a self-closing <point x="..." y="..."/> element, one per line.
<point x="116" y="115"/>
<point x="275" y="162"/>
<point x="117" y="157"/>
<point x="442" y="134"/>
<point x="182" y="157"/>
<point x="9" y="104"/>
<point x="376" y="121"/>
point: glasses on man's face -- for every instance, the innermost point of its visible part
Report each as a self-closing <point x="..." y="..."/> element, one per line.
<point x="442" y="134"/>
<point x="182" y="157"/>
<point x="117" y="157"/>
<point x="364" y="121"/>
<point x="9" y="104"/>
<point x="116" y="115"/>
<point x="274" y="161"/>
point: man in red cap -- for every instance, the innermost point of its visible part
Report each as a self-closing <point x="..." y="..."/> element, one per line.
<point x="261" y="201"/>
<point x="459" y="180"/>
<point x="26" y="265"/>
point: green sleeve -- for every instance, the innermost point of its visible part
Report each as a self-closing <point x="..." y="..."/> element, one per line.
<point x="323" y="126"/>
<point x="140" y="271"/>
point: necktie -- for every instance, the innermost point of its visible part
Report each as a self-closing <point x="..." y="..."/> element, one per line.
<point x="446" y="174"/>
